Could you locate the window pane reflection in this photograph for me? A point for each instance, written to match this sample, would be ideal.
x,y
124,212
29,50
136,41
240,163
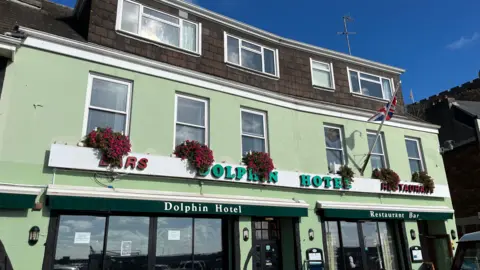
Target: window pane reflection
x,y
351,245
127,243
333,245
372,244
181,243
174,243
387,240
80,242
365,243
208,244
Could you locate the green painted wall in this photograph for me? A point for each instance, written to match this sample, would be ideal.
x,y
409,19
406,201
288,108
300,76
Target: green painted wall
x,y
296,139
412,225
296,142
245,246
14,228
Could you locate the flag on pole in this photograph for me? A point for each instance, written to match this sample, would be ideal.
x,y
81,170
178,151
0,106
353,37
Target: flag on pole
x,y
383,111
381,116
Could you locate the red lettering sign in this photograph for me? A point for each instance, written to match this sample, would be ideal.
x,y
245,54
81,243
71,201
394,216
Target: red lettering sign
x,y
410,188
130,163
142,164
384,186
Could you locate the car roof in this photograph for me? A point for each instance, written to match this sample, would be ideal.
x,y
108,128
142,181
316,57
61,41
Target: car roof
x,y
475,236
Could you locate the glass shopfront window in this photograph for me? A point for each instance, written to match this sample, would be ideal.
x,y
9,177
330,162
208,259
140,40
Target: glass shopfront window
x,y
361,245
80,242
139,243
127,243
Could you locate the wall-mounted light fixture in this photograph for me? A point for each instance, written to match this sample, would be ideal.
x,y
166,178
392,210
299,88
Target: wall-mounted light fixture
x,y
453,234
413,234
245,234
311,234
33,235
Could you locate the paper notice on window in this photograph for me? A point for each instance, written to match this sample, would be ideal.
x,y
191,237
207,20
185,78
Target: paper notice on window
x,y
126,248
316,256
173,235
82,238
417,255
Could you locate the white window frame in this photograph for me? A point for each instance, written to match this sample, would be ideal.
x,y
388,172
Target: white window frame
x,y
381,141
332,77
419,149
118,26
265,135
359,83
240,47
175,122
88,98
340,128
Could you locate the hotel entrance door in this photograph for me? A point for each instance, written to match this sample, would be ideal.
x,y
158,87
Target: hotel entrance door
x,y
266,244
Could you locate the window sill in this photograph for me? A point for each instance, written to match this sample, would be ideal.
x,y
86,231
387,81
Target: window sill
x,y
323,88
156,43
369,97
252,71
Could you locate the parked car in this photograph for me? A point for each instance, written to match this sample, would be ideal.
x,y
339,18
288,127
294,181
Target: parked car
x,y
467,256
65,267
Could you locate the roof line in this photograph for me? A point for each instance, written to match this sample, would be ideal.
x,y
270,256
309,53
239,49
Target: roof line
x,y
240,26
245,28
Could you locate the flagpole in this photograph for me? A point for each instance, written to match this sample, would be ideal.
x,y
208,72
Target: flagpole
x,y
379,129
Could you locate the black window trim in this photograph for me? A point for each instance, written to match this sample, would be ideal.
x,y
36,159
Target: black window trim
x,y
53,229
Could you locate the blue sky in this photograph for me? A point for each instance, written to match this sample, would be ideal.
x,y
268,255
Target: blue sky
x,y
437,42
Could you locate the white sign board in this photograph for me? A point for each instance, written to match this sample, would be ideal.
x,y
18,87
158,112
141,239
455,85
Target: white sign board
x,y
82,238
83,158
173,235
126,248
417,255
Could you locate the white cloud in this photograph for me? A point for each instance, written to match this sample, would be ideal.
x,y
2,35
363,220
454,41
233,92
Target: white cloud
x,y
79,225
463,41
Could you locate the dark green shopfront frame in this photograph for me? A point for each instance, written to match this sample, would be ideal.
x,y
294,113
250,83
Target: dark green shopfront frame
x,y
382,215
186,208
16,201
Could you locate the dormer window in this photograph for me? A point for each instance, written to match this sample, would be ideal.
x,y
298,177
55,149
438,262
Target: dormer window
x,y
251,55
370,85
139,20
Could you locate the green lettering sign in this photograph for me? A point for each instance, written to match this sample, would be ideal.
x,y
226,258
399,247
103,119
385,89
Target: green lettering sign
x,y
348,184
273,177
252,176
217,171
327,180
228,172
317,181
205,173
241,171
305,180
337,183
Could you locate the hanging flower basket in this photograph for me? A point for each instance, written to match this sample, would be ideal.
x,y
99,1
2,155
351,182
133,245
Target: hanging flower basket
x,y
387,176
425,179
347,175
260,163
198,155
113,145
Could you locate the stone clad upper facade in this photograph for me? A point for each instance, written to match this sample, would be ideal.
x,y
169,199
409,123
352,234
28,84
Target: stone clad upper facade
x,y
293,61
